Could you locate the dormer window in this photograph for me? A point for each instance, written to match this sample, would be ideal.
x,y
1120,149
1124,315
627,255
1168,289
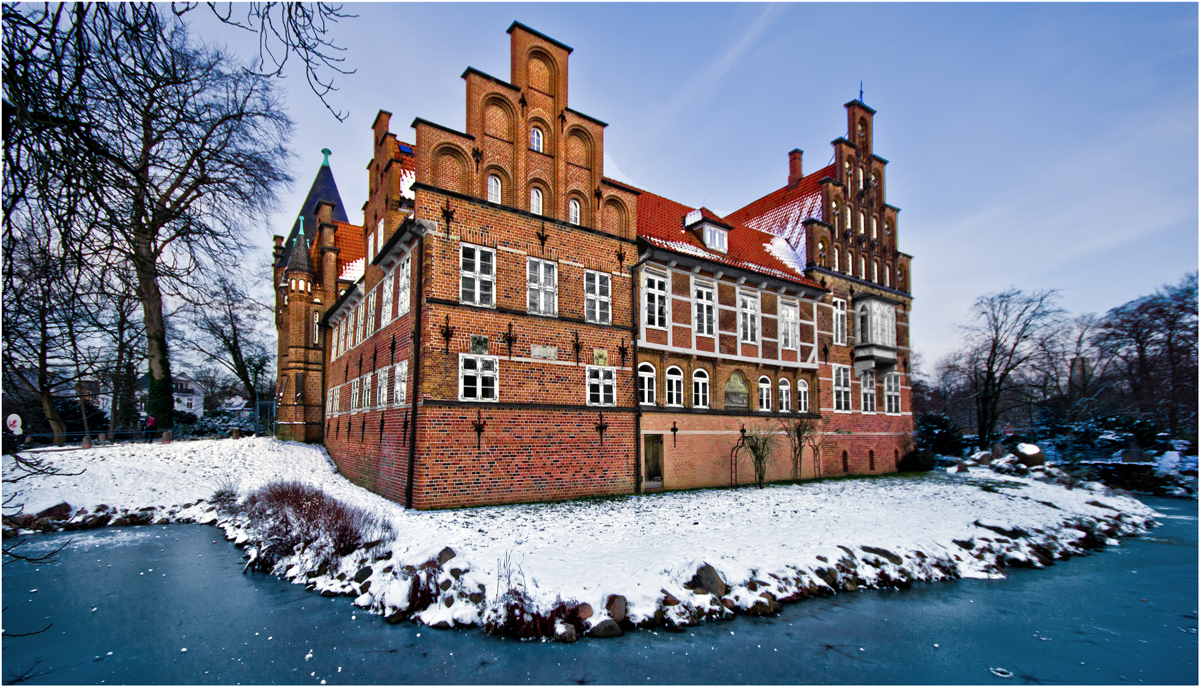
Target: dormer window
x,y
535,139
716,239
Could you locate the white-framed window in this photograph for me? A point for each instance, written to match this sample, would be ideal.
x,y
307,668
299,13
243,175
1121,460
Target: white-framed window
x,y
839,322
764,393
478,377
874,228
674,386
887,276
387,289
573,211
645,384
801,396
837,259
535,201
875,271
836,216
876,323
850,263
785,396
361,316
716,239
382,387
656,300
862,221
379,235
400,384
841,388
333,343
371,312
403,286
862,266
891,394
478,275
867,386
370,246
601,386
355,388
316,328
535,139
329,396
748,316
705,304
789,325
542,287
846,212
597,297
700,389
495,189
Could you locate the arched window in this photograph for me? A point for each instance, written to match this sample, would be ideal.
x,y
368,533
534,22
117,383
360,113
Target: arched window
x,y
834,212
646,384
874,228
820,253
900,277
764,393
845,462
573,211
847,219
785,396
699,389
875,271
860,179
862,219
864,325
535,200
801,396
846,169
737,392
674,386
862,267
871,459
850,263
836,259
887,276
494,189
535,139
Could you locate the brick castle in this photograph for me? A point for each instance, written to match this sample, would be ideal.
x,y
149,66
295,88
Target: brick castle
x,y
510,325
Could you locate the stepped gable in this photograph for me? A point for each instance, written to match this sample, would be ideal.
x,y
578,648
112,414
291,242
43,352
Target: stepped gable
x,y
782,212
348,239
660,223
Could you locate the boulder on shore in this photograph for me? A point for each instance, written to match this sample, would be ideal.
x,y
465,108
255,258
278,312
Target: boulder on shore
x,y
605,628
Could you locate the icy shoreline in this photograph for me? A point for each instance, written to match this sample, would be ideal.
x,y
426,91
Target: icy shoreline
x,y
603,566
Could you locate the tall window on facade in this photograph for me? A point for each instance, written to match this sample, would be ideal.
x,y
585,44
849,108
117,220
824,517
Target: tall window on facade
x,y
355,388
887,276
386,288
656,301
846,216
597,297
737,392
403,288
801,396
535,201
875,272
705,304
370,246
839,322
862,267
867,385
834,213
316,328
494,189
329,407
361,318
862,221
478,377
841,388
836,259
699,389
785,396
573,211
789,326
674,386
400,385
542,287
379,234
478,275
535,139
748,317
645,384
850,263
601,385
371,312
891,394
764,393
874,228
382,387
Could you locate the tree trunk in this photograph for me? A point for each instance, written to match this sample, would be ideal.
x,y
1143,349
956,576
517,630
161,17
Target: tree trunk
x,y
160,398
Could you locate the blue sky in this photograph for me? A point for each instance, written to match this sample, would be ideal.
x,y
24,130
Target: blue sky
x,y
1035,145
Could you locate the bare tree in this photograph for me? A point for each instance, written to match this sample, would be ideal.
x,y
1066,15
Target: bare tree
x,y
1001,338
801,432
758,444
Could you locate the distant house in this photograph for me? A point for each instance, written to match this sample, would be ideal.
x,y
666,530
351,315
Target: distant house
x,y
188,396
237,407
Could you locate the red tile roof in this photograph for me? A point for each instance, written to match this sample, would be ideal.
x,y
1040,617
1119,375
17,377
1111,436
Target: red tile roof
x,y
782,212
660,222
349,239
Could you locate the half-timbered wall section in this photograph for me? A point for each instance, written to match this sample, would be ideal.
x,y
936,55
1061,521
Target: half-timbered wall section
x,y
508,324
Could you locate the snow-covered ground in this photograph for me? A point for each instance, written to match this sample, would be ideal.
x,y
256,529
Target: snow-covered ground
x,y
782,542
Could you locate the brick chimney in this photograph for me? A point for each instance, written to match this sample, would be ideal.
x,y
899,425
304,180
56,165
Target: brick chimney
x,y
795,167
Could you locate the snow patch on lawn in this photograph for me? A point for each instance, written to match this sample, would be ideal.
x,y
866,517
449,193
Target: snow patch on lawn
x,y
781,543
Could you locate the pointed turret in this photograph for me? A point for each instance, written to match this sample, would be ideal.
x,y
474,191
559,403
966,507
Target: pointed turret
x,y
300,260
324,188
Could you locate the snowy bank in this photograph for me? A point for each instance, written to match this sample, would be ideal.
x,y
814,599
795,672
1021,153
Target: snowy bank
x,y
670,559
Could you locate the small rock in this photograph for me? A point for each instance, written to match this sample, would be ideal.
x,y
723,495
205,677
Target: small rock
x,y
476,597
59,512
363,573
448,600
445,585
584,611
605,628
445,555
565,633
364,587
962,467
727,603
456,573
668,599
706,578
616,607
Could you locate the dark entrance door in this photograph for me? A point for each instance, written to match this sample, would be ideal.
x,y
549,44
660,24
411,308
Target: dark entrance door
x,y
654,461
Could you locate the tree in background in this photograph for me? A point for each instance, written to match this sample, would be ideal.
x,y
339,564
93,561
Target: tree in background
x,y
801,432
758,446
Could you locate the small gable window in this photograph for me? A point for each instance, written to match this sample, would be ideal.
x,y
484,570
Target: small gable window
x,y
494,189
573,211
535,201
716,239
535,139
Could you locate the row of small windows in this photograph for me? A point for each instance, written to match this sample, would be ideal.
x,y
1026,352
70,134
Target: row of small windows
x,y
657,302
735,393
842,217
847,266
477,286
842,395
536,197
393,296
386,387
